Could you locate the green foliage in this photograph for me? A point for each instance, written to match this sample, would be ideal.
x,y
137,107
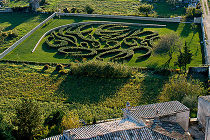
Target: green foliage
x,y
54,118
97,68
5,130
89,9
168,44
184,58
191,101
70,120
28,119
193,12
59,67
179,88
145,8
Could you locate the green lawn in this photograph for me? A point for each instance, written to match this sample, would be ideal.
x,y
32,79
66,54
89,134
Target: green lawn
x,y
22,22
23,52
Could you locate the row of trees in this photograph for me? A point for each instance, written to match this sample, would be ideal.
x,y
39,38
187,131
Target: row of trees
x,y
170,44
29,123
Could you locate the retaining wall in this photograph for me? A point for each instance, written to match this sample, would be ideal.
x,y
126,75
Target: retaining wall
x,y
204,43
176,19
24,37
6,10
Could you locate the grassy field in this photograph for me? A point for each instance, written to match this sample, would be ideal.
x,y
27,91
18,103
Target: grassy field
x,y
110,7
23,23
90,97
184,30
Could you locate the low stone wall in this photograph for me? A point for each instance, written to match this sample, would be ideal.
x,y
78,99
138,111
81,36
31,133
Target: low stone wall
x,y
6,10
24,37
204,43
203,69
176,19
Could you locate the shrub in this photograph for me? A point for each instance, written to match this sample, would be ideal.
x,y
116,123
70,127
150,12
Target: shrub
x,y
96,68
167,43
59,67
89,9
45,67
66,10
54,118
28,119
191,101
70,120
145,8
179,87
193,12
12,34
63,72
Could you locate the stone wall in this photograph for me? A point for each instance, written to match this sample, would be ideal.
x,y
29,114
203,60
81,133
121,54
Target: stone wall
x,y
6,10
204,43
207,132
203,111
176,19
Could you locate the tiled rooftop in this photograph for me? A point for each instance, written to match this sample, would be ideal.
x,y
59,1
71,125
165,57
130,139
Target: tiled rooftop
x,y
102,128
142,133
157,110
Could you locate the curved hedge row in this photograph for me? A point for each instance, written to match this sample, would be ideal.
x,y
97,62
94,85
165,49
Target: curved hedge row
x,y
86,40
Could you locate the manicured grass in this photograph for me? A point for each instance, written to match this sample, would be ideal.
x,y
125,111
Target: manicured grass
x,y
90,97
22,22
43,54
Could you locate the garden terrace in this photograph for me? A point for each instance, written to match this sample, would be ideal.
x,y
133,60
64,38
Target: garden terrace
x,y
101,39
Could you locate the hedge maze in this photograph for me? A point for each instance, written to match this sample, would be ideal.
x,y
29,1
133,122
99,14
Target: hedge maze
x,y
113,42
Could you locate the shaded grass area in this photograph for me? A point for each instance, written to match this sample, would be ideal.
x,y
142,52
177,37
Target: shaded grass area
x,y
90,97
45,54
23,23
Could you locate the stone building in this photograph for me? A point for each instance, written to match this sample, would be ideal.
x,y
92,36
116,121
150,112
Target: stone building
x,y
203,114
172,111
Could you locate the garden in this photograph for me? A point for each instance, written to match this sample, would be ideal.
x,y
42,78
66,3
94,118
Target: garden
x,y
132,45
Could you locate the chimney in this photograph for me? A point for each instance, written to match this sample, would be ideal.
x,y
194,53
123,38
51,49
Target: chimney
x,y
127,110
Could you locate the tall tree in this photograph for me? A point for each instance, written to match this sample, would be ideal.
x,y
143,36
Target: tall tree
x,y
28,119
184,58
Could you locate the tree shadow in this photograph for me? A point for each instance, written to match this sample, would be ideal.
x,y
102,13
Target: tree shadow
x,y
151,87
186,30
79,89
19,18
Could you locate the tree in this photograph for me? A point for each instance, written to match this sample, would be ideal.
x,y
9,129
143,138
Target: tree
x,y
70,120
89,9
28,119
5,130
145,8
179,87
184,58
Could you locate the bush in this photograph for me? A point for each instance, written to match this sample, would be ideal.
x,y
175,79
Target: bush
x,y
69,121
179,87
54,118
97,68
59,67
89,9
66,10
45,67
145,8
191,101
28,119
193,12
169,42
